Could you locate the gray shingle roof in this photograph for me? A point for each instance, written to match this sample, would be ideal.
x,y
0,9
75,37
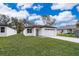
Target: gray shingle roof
x,y
39,26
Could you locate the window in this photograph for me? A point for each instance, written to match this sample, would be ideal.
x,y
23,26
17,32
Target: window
x,y
29,30
2,29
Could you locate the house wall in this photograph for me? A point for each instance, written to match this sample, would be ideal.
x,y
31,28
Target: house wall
x,y
5,33
8,32
41,32
11,31
65,31
30,34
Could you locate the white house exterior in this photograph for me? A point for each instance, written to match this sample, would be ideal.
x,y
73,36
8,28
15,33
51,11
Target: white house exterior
x,y
6,31
46,31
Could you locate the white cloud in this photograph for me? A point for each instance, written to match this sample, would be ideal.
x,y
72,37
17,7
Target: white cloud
x,y
34,16
28,5
12,12
39,22
65,18
24,5
38,7
22,14
63,6
77,8
73,22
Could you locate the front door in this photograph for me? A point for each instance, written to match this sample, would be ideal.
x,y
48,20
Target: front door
x,y
37,32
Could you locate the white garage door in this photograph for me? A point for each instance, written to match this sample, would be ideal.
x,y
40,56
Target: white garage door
x,y
49,32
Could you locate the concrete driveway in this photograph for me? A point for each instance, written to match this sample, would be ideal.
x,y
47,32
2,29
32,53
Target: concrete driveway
x,y
76,40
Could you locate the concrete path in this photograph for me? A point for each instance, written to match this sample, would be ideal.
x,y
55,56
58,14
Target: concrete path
x,y
67,38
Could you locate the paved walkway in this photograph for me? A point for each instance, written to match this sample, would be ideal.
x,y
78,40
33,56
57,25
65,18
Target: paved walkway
x,y
67,38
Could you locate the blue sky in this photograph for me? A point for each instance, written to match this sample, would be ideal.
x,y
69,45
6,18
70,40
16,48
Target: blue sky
x,y
46,10
64,13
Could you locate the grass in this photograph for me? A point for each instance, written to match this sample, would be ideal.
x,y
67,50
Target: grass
x,y
67,35
19,45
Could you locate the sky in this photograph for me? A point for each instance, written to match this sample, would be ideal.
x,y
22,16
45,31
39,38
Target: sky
x,y
64,13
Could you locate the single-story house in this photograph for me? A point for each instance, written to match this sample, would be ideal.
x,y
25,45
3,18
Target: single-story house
x,y
5,30
46,31
66,29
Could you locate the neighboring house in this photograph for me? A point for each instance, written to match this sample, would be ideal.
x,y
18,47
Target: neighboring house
x,y
46,31
66,29
77,32
5,30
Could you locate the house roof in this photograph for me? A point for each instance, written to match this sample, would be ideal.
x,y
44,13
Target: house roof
x,y
7,26
3,25
39,26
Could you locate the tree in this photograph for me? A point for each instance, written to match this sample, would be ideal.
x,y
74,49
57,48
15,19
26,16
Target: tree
x,y
48,20
77,25
4,19
13,23
30,22
44,18
20,27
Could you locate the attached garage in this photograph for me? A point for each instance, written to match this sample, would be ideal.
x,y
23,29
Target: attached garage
x,y
48,32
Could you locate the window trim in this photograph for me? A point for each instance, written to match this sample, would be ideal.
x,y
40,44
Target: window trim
x,y
2,29
29,30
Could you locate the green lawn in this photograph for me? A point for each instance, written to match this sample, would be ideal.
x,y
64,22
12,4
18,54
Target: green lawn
x,y
41,46
67,35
